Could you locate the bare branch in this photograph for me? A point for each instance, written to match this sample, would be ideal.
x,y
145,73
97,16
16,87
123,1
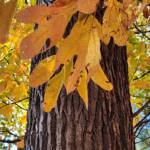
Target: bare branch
x,y
141,109
139,30
142,121
14,103
8,131
10,141
143,75
143,140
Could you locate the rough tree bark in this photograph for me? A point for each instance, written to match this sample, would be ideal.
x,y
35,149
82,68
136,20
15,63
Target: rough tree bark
x,y
107,125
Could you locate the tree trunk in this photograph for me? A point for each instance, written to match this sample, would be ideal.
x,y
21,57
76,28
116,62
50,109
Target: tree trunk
x,y
106,125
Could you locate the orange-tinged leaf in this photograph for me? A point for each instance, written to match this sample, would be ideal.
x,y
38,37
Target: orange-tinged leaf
x,y
50,26
114,24
82,87
42,72
6,14
19,91
52,91
3,85
11,84
87,50
40,17
87,7
28,47
121,37
99,77
20,144
110,19
6,110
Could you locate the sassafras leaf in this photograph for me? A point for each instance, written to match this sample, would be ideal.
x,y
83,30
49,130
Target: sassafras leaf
x,y
51,25
42,72
99,77
52,91
82,87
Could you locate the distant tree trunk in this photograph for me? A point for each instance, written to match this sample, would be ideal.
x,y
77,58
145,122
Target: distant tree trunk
x,y
107,125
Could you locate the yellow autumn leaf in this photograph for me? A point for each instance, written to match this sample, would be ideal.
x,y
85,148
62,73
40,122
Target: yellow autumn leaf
x,y
80,63
140,84
68,47
137,102
23,119
99,77
11,84
19,91
52,91
68,69
82,87
87,50
42,72
93,55
114,25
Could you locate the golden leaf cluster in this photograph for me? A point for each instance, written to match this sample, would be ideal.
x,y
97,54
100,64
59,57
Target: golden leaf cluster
x,y
83,43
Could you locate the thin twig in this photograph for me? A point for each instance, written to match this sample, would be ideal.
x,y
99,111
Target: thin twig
x,y
143,75
142,121
141,109
143,140
139,30
6,104
10,141
8,131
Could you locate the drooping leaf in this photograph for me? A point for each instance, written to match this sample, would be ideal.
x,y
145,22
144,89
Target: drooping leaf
x,y
52,91
87,50
42,72
68,69
99,77
118,17
93,55
79,66
67,47
82,87
51,25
